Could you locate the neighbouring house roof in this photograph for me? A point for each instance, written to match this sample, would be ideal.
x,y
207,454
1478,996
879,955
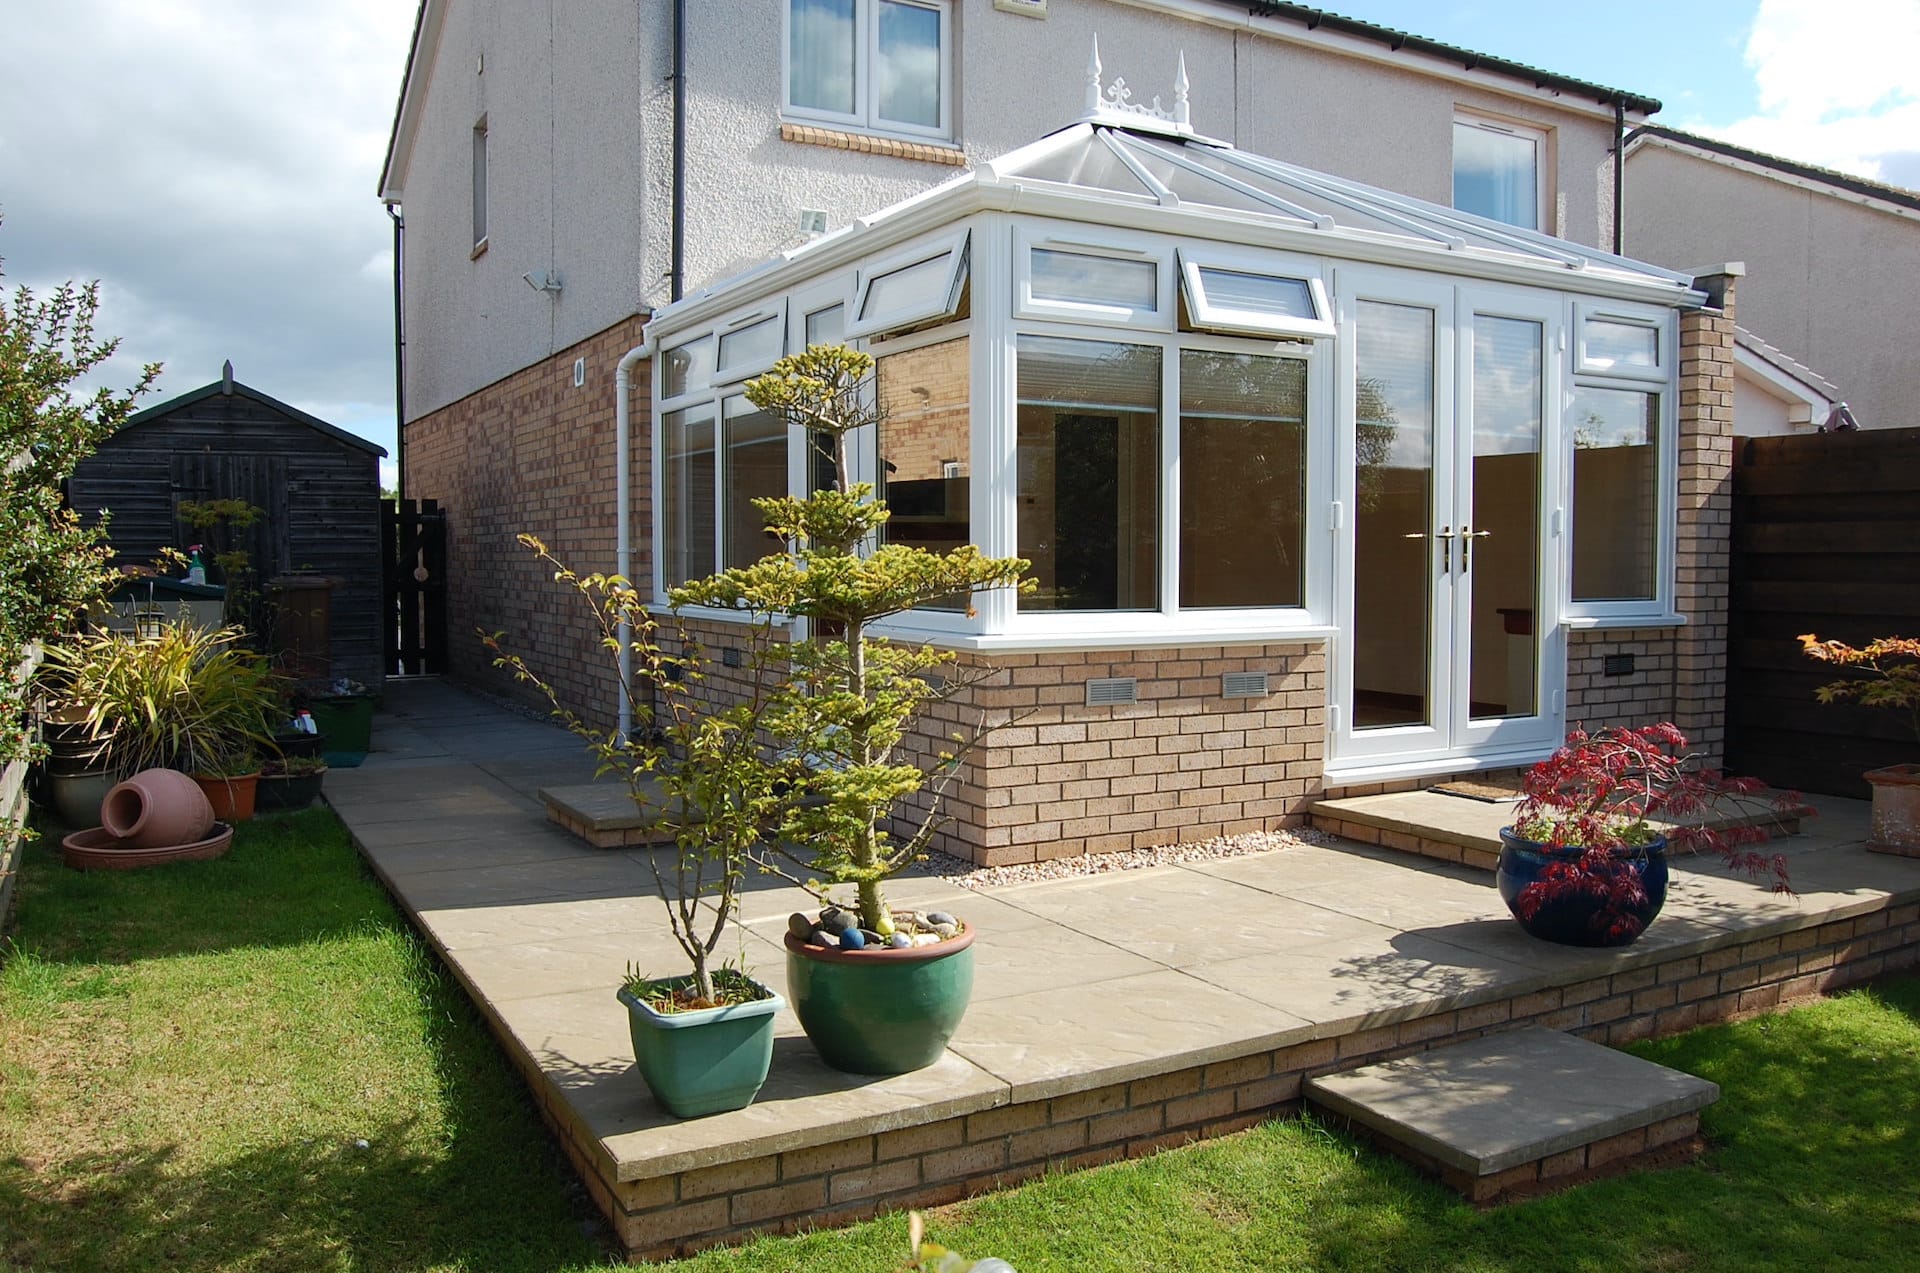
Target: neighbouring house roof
x,y
1145,175
1875,192
431,16
234,387
1784,365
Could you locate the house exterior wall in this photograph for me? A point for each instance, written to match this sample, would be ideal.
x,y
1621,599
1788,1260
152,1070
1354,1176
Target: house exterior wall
x,y
534,454
563,92
1817,269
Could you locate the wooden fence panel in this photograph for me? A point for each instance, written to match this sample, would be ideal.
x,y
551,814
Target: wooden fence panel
x,y
1826,539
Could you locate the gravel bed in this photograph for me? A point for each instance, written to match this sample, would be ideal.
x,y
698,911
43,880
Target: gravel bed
x,y
967,875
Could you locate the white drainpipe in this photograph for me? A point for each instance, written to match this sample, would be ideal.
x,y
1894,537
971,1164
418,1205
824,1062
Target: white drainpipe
x,y
623,510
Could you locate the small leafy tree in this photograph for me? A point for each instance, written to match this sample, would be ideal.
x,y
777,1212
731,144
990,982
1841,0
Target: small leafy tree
x,y
1884,673
698,768
52,568
845,707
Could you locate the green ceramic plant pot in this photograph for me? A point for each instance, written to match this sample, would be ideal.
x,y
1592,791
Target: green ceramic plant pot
x,y
707,1061
880,1011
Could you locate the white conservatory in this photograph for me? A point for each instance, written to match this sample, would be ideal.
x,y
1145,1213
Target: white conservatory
x,y
1402,471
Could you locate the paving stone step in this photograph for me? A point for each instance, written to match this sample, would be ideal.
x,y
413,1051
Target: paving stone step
x,y
1508,1113
605,815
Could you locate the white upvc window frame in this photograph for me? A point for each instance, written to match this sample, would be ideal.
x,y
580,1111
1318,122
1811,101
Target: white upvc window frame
x,y
772,312
1206,316
865,117
1660,610
1542,139
1091,241
1583,364
953,244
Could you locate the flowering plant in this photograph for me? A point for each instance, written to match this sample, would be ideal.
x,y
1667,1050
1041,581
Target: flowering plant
x,y
1605,798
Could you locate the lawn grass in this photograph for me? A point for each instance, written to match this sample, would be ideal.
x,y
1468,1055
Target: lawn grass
x,y
191,1057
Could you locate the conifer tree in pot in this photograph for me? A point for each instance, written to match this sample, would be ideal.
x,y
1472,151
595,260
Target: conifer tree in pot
x,y
696,769
878,991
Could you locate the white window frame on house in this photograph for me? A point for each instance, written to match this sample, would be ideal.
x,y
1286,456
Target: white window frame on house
x,y
1095,243
772,316
1205,314
1542,170
1658,610
950,247
1584,363
866,117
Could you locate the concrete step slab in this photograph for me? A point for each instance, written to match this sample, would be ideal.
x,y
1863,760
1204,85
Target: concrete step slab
x,y
1496,1114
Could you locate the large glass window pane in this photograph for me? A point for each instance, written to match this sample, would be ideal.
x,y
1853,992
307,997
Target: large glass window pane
x,y
756,469
1088,437
1395,556
1496,174
686,494
1243,462
1502,551
925,466
907,76
1081,278
1616,493
821,55
1621,346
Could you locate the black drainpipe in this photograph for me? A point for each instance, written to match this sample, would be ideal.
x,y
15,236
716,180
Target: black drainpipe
x,y
1619,173
679,263
399,358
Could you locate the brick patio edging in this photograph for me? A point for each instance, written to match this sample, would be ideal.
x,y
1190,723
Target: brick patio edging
x,y
944,1160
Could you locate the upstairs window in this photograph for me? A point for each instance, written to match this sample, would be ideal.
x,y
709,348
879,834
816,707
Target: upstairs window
x,y
1497,170
883,66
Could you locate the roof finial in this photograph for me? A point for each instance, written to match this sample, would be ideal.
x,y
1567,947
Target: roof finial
x,y
226,378
1182,112
1093,78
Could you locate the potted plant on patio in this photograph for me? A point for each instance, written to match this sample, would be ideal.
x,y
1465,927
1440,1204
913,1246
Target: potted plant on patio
x,y
877,991
1585,861
289,782
1884,673
703,1039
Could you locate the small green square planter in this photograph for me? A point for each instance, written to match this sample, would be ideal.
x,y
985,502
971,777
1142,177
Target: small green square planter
x,y
707,1061
346,720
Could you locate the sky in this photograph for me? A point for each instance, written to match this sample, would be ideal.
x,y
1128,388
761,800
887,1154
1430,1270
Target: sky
x,y
214,162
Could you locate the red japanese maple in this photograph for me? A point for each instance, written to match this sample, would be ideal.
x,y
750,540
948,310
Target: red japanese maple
x,y
1605,797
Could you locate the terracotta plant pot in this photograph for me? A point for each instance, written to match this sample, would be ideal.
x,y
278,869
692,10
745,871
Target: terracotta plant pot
x,y
156,808
96,850
1896,810
231,798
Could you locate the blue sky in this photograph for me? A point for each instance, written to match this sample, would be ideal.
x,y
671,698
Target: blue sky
x,y
216,171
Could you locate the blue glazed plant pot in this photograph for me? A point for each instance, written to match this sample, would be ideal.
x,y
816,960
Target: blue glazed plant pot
x,y
881,1011
706,1061
1596,916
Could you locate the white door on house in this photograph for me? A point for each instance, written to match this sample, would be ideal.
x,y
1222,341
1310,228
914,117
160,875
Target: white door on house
x,y
1448,656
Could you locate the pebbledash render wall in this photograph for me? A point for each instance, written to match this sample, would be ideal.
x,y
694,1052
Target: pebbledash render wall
x,y
533,454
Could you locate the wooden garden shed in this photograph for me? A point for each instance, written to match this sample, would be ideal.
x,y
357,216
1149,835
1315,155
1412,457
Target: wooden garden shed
x,y
318,535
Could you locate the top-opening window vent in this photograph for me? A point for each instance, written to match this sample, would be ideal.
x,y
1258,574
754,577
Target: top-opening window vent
x,y
1243,685
1106,691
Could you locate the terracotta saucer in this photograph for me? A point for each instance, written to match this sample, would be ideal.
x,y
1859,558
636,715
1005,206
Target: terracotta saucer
x,y
96,849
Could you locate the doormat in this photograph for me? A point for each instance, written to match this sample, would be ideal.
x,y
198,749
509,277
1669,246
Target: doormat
x,y
1487,790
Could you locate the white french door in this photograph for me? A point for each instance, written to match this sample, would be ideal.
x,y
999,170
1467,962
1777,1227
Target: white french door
x,y
1449,655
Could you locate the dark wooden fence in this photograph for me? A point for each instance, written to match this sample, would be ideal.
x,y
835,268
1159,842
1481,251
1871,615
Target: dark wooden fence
x,y
414,540
1826,539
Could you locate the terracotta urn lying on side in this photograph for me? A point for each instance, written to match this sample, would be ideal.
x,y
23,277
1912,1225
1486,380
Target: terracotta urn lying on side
x,y
157,808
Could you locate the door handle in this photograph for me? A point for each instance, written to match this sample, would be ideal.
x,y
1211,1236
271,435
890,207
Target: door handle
x,y
1446,549
1466,545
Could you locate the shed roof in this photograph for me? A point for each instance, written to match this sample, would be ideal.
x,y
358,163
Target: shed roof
x,y
235,388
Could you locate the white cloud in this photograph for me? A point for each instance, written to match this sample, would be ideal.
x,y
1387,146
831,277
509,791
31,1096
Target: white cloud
x,y
1837,85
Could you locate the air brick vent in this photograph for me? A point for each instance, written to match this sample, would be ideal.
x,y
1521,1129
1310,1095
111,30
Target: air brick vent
x,y
1106,691
1243,685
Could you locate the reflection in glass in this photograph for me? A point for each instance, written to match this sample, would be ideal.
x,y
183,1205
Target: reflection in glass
x,y
1262,294
1496,174
908,72
751,348
1616,493
1094,280
925,440
686,494
1395,556
1621,345
756,469
1502,554
1088,436
921,290
1243,452
687,367
821,55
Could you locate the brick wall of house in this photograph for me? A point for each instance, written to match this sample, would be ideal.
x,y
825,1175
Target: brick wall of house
x,y
533,453
1705,521
1640,697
